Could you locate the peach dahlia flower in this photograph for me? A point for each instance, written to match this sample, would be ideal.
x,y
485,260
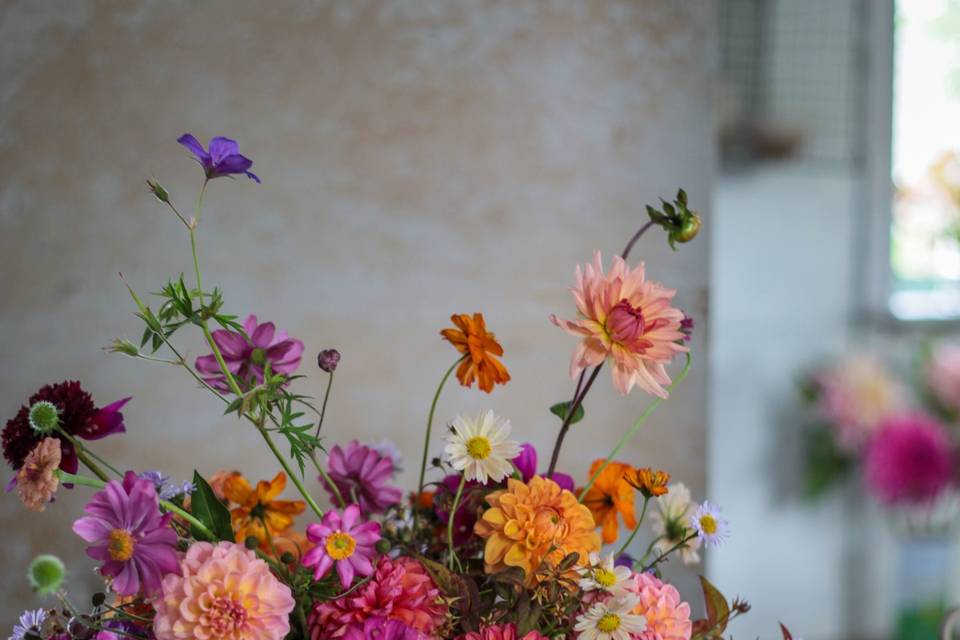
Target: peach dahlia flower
x,y
624,317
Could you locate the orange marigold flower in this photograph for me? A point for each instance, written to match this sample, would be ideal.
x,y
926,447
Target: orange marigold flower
x,y
258,511
472,339
650,483
611,494
532,524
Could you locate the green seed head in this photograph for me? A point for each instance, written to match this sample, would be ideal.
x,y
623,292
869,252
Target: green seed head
x,y
46,574
44,417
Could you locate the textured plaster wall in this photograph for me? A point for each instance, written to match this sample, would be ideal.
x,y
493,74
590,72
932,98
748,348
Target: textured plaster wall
x,y
418,159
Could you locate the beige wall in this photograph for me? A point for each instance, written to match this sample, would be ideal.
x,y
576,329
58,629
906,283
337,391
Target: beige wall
x,y
418,159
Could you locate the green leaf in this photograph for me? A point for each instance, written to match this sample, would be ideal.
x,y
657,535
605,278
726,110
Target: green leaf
x,y
718,611
207,508
560,410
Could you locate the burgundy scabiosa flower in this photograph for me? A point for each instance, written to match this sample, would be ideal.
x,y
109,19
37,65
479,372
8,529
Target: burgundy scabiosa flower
x,y
129,535
345,541
75,413
247,355
361,473
908,460
223,158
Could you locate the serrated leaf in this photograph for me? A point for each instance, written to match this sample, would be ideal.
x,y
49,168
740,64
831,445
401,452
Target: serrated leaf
x,y
207,508
560,410
718,610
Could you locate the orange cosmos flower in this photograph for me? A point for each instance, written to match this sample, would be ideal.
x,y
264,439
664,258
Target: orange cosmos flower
x,y
650,483
530,524
611,494
627,318
258,508
472,339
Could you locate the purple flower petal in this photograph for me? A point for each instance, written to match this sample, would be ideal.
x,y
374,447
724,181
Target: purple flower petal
x,y
194,146
221,148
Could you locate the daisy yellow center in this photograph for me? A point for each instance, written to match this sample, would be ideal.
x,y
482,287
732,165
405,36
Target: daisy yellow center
x,y
120,544
226,616
604,577
709,524
479,448
609,623
340,545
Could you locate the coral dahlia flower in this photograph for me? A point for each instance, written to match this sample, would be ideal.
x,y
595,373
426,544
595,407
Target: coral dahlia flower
x,y
472,339
628,319
529,524
610,495
667,616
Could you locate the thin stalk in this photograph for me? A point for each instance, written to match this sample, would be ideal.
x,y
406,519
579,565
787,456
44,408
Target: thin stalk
x,y
433,408
453,512
329,481
663,556
632,431
650,546
286,467
568,419
79,446
643,512
323,407
199,526
90,464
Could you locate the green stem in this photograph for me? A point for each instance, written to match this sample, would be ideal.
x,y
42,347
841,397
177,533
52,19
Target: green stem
x,y
323,407
199,526
79,446
453,512
633,535
433,408
650,546
293,476
83,481
663,556
329,481
632,431
90,464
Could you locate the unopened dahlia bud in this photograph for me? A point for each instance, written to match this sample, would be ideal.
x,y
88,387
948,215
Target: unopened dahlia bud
x,y
676,218
328,360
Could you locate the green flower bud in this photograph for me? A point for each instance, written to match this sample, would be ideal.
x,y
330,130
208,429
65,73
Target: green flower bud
x,y
287,558
688,229
46,574
383,546
252,542
123,346
158,191
44,416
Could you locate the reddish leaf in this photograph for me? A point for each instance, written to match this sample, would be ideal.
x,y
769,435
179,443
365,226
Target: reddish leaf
x,y
786,632
718,610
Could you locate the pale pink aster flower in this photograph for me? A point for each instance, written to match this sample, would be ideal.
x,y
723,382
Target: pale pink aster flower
x,y
627,318
224,591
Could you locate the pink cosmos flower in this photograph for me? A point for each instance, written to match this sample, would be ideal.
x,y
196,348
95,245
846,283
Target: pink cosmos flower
x,y
943,375
361,474
129,535
224,591
246,355
908,460
345,542
401,589
668,617
628,319
501,632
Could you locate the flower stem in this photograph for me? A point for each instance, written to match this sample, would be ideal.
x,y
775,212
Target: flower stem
x,y
199,526
286,467
643,512
632,431
79,446
83,481
329,481
90,464
568,419
433,408
663,556
453,512
323,407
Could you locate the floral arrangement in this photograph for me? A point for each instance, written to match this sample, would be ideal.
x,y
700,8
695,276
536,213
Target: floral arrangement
x,y
487,546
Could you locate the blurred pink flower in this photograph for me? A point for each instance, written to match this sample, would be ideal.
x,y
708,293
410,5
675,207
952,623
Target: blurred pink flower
x,y
361,474
501,632
909,460
943,375
628,319
668,617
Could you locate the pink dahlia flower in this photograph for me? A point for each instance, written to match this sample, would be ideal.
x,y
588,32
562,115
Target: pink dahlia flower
x,y
943,375
361,474
224,591
345,542
668,617
246,355
129,535
628,319
401,589
382,629
908,460
501,632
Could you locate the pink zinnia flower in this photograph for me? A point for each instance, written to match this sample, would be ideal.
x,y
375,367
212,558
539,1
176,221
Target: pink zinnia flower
x,y
401,589
628,319
668,617
246,355
501,632
345,542
361,474
943,375
908,460
129,535
224,591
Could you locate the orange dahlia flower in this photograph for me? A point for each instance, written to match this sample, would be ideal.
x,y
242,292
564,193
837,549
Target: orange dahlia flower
x,y
258,511
650,483
530,524
610,495
628,319
472,339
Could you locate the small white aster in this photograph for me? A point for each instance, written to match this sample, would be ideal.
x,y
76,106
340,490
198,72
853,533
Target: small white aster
x,y
603,575
480,448
611,620
708,524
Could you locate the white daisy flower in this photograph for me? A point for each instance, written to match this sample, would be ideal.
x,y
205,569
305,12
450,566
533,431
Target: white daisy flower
x,y
670,524
708,524
480,449
611,620
603,575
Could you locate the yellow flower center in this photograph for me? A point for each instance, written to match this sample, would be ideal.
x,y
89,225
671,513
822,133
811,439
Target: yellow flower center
x,y
604,577
478,448
120,545
709,524
609,623
340,545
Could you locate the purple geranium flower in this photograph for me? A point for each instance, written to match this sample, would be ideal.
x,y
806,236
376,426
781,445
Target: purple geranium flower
x,y
246,355
360,474
223,159
344,541
129,535
526,464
